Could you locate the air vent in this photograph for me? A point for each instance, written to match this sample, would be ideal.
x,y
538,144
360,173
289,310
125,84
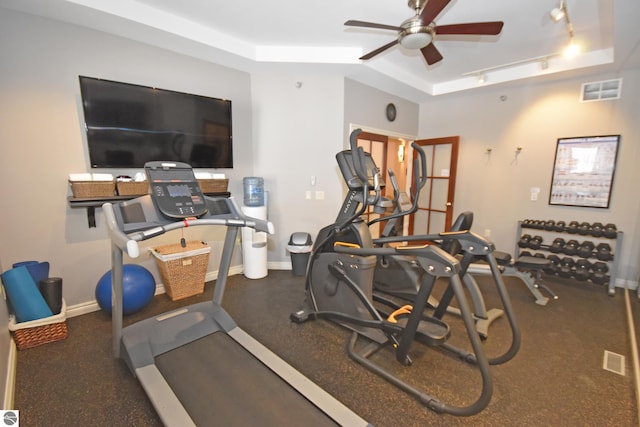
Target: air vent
x,y
601,91
613,362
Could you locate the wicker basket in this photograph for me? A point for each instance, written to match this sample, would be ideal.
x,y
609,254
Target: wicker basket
x,y
213,185
132,188
92,189
183,270
41,331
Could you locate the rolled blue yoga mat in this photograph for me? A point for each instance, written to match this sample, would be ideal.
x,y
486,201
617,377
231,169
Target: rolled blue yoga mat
x,y
26,300
23,263
38,271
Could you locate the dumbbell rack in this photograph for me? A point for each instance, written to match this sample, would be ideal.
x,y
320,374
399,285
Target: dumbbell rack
x,y
548,236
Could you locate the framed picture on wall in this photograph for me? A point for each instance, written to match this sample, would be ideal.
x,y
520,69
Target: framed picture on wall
x,y
583,171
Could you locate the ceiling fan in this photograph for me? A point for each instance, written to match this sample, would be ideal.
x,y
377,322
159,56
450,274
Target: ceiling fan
x,y
419,31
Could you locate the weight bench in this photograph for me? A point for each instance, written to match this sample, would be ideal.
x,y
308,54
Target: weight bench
x,y
526,268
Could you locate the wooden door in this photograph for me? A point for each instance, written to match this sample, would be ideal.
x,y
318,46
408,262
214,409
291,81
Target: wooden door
x,y
436,202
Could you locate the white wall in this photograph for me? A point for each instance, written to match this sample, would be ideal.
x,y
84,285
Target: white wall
x,y
41,138
534,115
297,132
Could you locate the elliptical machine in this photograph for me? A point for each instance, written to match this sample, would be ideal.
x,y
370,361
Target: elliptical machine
x,y
339,287
400,277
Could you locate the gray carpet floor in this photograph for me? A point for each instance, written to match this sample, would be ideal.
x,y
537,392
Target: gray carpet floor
x,y
556,379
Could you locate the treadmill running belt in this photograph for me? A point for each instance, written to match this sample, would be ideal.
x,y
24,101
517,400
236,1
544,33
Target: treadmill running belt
x,y
220,383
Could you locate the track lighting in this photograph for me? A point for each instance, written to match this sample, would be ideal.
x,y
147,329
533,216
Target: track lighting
x,y
558,13
571,50
544,63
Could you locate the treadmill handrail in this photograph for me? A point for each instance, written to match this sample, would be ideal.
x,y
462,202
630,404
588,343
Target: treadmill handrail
x,y
129,242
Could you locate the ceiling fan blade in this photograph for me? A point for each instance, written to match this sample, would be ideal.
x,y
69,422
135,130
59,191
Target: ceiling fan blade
x,y
475,28
432,9
431,54
378,50
352,23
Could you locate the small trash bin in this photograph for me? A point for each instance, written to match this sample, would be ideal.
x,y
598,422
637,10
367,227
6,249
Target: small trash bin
x,y
299,247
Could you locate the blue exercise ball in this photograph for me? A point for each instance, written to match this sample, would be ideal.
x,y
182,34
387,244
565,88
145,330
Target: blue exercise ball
x,y
138,288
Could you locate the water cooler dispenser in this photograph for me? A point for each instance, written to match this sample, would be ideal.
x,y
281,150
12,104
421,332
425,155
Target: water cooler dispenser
x,y
254,244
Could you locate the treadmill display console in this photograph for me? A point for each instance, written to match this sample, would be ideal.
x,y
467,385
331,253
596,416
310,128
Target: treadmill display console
x,y
175,190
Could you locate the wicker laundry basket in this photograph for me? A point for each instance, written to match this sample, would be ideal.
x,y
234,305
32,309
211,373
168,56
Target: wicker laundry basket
x,y
41,331
183,270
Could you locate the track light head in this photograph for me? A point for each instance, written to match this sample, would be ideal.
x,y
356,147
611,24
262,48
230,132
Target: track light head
x,y
557,13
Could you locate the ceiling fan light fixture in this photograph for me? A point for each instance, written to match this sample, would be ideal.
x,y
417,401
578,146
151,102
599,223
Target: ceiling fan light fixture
x,y
416,40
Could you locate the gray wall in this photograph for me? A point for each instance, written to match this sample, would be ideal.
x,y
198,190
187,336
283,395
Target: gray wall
x,y
366,106
42,139
282,132
534,115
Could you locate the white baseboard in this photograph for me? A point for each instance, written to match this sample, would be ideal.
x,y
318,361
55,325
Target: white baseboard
x,y
627,284
279,265
91,306
10,385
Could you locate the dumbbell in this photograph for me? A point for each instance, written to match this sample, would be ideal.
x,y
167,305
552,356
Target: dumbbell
x,y
552,268
585,250
597,229
599,272
535,242
566,267
525,253
539,255
571,248
538,224
584,228
572,228
610,231
524,241
603,252
549,225
560,226
582,270
526,223
557,245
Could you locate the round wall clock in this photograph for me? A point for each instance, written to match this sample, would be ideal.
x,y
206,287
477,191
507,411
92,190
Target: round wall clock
x,y
391,112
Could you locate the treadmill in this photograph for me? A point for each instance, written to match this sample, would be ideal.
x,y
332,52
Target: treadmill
x,y
197,366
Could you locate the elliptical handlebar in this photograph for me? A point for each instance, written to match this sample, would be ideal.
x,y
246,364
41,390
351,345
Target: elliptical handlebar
x,y
420,180
358,157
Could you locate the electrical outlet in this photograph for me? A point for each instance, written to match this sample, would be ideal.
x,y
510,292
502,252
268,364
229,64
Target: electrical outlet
x,y
308,195
319,195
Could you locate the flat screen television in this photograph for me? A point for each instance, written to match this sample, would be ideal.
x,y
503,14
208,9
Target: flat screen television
x,y
128,125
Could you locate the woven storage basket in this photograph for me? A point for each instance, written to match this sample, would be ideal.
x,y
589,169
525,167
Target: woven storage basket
x,y
213,185
92,189
132,188
183,270
42,331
